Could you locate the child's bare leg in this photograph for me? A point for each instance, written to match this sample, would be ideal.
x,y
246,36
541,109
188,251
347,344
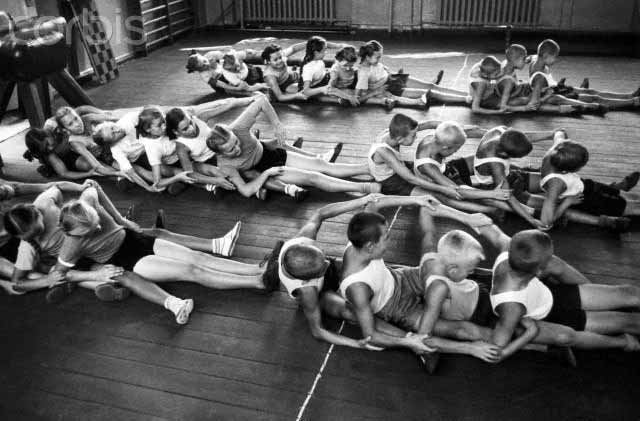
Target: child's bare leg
x,y
554,334
607,94
633,203
613,322
612,103
336,306
189,241
597,297
295,160
461,330
6,268
324,182
143,288
448,98
423,85
467,205
175,251
327,99
164,269
427,227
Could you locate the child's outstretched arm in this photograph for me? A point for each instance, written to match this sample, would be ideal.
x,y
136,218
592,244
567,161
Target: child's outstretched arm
x,y
400,169
211,109
549,212
500,179
308,298
312,226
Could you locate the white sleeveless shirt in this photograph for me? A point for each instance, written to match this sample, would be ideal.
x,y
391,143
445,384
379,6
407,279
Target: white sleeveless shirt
x,y
381,171
535,297
379,279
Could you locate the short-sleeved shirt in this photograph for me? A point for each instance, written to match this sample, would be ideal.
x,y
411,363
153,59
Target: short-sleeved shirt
x,y
281,75
129,148
198,149
50,242
160,150
314,72
371,77
99,246
344,78
251,147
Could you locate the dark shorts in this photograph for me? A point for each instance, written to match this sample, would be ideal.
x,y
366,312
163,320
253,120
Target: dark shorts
x,y
323,82
492,101
408,298
331,277
518,181
9,250
134,247
600,199
567,307
271,158
397,185
293,77
254,75
143,162
396,83
457,170
211,161
483,315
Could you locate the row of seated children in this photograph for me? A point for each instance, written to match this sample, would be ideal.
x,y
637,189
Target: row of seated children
x,y
487,182
494,86
168,147
356,76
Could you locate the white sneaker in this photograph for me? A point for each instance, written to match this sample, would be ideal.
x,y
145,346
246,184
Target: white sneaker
x,y
182,315
230,239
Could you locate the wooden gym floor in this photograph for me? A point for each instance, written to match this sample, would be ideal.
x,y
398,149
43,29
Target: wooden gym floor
x,y
246,355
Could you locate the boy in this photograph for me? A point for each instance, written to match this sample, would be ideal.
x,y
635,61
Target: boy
x,y
398,295
572,312
545,88
282,80
239,151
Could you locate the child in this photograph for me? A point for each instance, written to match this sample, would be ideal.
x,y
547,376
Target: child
x,y
211,70
387,167
491,163
314,78
582,200
572,312
495,89
447,139
281,79
395,295
541,79
375,80
238,150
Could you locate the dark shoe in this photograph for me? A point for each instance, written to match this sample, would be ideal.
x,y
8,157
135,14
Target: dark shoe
x,y
160,220
438,78
270,277
59,292
262,194
562,82
601,110
123,185
111,292
176,188
585,83
429,362
614,224
628,182
131,213
301,195
298,143
636,92
336,152
256,133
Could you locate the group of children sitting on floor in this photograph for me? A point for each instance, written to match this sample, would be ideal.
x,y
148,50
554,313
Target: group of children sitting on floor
x,y
358,77
444,304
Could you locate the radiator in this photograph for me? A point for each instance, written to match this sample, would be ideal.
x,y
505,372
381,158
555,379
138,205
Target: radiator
x,y
289,11
523,13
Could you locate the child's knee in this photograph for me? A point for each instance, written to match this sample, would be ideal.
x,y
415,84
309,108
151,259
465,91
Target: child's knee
x,y
566,337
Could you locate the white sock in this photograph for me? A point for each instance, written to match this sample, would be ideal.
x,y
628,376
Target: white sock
x,y
173,304
291,189
224,245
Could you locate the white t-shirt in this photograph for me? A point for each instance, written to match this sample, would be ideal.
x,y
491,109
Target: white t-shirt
x,y
160,150
314,72
129,148
197,146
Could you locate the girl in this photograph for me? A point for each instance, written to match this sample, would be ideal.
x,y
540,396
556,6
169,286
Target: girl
x,y
374,80
234,77
314,76
59,156
96,231
281,79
